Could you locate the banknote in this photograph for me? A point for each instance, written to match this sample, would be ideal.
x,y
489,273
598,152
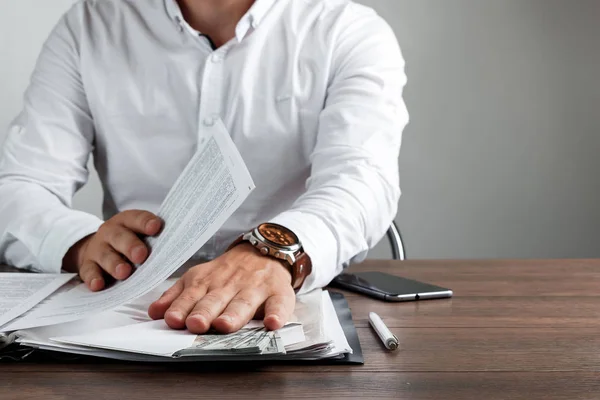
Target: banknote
x,y
259,340
255,340
275,346
245,341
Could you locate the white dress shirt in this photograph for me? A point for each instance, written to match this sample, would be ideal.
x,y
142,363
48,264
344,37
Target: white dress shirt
x,y
309,90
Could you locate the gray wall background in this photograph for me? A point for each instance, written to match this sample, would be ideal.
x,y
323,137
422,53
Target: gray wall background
x,y
501,156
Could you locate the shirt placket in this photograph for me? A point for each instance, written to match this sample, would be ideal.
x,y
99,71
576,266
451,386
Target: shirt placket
x,y
209,111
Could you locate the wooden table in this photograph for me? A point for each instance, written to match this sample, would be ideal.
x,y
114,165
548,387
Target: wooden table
x,y
514,330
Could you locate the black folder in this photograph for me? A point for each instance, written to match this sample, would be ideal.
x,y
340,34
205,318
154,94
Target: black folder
x,y
15,352
345,316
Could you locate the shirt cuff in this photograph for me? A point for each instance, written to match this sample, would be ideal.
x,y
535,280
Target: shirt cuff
x,y
318,242
65,232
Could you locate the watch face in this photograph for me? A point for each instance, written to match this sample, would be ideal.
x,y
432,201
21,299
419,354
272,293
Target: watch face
x,y
278,235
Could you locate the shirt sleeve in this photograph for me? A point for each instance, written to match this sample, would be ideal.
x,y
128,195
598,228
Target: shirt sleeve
x,y
43,161
352,194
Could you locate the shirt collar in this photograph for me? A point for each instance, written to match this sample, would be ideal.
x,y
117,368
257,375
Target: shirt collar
x,y
249,21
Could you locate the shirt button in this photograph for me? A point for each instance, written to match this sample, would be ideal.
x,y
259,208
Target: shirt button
x,y
216,58
210,121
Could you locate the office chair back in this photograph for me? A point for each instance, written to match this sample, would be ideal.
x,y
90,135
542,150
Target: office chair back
x,y
396,242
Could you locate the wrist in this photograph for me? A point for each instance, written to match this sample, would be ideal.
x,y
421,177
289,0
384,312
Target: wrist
x,y
281,244
74,257
254,256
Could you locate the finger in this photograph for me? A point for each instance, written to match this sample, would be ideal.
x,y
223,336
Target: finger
x,y
184,303
240,310
112,262
208,308
91,274
278,310
128,243
139,221
158,309
260,313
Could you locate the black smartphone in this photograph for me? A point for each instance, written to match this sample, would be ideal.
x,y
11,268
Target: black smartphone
x,y
389,287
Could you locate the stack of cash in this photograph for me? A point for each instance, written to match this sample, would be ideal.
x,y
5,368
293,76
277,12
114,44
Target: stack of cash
x,y
314,316
244,342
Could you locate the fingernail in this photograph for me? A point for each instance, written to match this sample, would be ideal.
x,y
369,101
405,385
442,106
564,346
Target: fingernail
x,y
175,315
122,270
152,225
274,318
95,283
226,318
139,252
197,317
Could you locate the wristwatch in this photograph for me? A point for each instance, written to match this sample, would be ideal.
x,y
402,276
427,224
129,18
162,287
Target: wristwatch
x,y
281,243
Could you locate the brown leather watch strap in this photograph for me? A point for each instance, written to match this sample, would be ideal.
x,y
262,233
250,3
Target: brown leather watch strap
x,y
237,241
300,270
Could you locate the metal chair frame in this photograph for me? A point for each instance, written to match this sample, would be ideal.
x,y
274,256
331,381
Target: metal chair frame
x,y
396,242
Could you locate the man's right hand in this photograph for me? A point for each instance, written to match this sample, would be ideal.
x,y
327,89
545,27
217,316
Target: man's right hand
x,y
113,249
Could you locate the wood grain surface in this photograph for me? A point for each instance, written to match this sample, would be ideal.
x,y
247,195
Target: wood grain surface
x,y
515,329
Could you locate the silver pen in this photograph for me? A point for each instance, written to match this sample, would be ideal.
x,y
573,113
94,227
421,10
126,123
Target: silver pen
x,y
387,337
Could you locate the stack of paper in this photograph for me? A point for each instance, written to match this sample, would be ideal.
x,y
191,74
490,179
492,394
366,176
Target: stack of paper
x,y
113,323
127,333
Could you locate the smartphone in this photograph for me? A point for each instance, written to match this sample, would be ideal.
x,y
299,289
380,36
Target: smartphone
x,y
389,287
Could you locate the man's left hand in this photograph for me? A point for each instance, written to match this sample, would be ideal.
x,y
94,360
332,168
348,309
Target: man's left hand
x,y
227,293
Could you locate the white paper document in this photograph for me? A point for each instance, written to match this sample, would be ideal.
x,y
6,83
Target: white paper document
x,y
131,313
19,292
120,334
153,338
333,329
212,186
156,338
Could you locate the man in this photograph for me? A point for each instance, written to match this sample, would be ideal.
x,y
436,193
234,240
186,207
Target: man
x,y
310,92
